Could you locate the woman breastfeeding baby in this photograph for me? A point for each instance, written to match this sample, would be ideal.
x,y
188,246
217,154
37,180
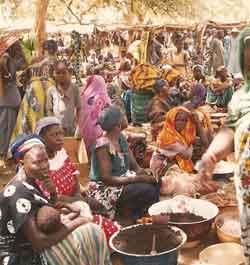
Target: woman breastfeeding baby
x,y
62,186
32,230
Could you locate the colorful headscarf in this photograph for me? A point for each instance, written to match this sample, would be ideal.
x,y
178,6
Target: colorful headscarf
x,y
169,135
94,98
23,144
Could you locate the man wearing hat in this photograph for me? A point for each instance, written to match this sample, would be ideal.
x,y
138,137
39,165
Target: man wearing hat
x,y
11,60
233,65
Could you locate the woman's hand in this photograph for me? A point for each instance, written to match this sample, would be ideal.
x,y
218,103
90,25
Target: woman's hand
x,y
206,166
195,117
68,207
187,153
72,220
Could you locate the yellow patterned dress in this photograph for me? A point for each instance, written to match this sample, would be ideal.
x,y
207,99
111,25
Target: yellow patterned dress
x,y
33,106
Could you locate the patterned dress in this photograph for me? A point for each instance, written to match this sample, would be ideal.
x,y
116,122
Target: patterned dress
x,y
108,195
239,120
21,200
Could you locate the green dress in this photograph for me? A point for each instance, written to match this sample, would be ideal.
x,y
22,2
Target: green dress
x,y
108,195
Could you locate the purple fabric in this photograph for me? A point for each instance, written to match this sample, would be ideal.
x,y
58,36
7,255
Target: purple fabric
x,y
199,95
94,98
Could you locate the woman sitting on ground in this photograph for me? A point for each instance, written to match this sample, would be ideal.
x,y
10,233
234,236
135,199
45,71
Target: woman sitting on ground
x,y
117,181
159,106
221,90
77,241
61,186
175,141
64,175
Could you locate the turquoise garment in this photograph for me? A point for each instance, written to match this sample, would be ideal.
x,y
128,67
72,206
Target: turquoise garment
x,y
220,100
120,165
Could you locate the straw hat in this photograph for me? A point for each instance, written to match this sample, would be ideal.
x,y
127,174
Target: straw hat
x,y
7,41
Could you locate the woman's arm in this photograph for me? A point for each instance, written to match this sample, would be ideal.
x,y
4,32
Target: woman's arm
x,y
133,165
41,241
105,166
221,146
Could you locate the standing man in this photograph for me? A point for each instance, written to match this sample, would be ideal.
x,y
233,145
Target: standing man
x,y
11,60
233,65
217,51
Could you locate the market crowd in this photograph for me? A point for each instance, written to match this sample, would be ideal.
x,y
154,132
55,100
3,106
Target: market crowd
x,y
104,88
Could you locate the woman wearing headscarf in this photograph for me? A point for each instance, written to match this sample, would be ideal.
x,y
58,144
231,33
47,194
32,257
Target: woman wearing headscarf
x,y
175,141
235,136
117,181
160,104
77,241
94,98
64,175
11,60
221,89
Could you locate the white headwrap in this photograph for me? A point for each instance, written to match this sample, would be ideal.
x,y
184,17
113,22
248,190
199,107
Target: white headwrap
x,y
47,121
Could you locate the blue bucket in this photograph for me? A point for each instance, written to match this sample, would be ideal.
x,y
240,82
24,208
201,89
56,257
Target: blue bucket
x,y
169,257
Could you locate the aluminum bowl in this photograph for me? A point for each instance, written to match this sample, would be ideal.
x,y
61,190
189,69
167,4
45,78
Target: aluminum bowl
x,y
195,230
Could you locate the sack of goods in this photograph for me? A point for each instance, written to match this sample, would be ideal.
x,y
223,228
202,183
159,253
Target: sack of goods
x,y
143,76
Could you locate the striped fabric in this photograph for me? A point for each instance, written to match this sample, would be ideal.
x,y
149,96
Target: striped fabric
x,y
84,246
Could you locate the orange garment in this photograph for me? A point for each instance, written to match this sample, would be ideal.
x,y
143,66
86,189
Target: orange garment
x,y
203,117
169,136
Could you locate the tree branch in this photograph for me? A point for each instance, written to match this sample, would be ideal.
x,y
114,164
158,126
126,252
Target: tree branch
x,y
83,13
71,11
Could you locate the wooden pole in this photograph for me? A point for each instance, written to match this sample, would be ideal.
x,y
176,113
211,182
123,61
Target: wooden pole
x,y
40,24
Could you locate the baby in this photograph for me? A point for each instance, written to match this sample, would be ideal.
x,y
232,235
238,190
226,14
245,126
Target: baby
x,y
48,219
